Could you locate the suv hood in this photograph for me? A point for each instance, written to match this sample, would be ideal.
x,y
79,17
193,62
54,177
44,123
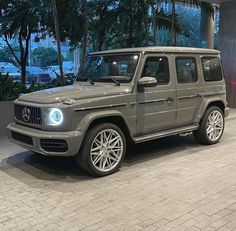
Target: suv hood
x,y
75,92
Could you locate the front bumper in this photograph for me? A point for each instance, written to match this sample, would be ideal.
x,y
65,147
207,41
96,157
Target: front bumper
x,y
73,139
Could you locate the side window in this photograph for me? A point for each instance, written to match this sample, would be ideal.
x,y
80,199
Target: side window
x,y
186,70
212,69
158,68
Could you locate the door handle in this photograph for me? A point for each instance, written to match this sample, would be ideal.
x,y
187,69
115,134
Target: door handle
x,y
169,99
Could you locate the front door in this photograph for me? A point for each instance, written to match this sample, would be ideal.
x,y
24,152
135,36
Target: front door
x,y
156,106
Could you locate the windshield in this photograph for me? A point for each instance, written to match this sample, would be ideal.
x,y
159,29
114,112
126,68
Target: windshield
x,y
9,69
33,69
104,68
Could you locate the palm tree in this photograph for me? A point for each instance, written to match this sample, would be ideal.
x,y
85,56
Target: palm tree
x,y
208,7
19,19
135,21
85,32
57,30
155,7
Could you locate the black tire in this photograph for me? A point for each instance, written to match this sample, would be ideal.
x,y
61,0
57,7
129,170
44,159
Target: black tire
x,y
201,134
84,159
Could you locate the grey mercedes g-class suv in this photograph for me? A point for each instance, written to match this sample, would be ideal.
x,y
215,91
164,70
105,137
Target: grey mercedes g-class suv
x,y
123,95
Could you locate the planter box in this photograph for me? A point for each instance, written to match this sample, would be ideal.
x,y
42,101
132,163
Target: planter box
x,y
6,115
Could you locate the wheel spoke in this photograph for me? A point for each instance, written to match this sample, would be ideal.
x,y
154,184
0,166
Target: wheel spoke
x,y
209,129
114,154
97,159
98,142
104,163
109,137
113,158
113,140
96,148
114,144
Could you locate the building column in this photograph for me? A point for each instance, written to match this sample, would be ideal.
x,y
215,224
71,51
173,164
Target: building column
x,y
207,29
227,46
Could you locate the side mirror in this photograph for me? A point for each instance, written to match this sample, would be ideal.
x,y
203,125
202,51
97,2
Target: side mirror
x,y
147,82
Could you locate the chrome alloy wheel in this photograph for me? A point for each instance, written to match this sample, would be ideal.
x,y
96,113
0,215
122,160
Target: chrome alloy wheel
x,y
214,126
106,150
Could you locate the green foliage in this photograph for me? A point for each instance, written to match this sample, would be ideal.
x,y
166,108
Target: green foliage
x,y
19,19
4,55
191,28
44,57
119,24
11,91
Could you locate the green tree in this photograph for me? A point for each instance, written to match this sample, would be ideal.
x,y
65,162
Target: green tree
x,y
5,55
207,6
19,19
116,24
44,57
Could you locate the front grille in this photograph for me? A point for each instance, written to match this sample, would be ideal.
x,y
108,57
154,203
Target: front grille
x,y
35,114
22,138
51,145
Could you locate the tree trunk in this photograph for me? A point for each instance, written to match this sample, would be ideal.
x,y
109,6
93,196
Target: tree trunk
x,y
154,21
173,34
23,55
57,29
146,23
23,73
130,41
24,52
131,32
11,49
85,34
146,31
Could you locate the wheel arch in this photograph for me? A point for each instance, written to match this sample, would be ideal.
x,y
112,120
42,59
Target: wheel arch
x,y
113,117
218,103
207,104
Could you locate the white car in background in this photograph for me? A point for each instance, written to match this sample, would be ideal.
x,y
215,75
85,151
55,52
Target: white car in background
x,y
37,74
10,69
53,71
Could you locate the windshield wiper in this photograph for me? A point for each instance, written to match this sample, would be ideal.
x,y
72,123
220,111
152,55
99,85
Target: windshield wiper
x,y
90,81
116,82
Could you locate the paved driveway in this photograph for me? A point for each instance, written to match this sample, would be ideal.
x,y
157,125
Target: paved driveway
x,y
169,184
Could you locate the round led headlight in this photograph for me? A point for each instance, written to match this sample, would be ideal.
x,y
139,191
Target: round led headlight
x,y
56,116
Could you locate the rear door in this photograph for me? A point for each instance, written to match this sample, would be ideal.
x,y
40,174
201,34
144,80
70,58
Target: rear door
x,y
188,88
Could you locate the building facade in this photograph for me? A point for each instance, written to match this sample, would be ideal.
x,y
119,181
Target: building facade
x,y
227,45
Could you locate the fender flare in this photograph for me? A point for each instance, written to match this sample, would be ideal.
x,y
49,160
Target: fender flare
x,y
88,119
204,105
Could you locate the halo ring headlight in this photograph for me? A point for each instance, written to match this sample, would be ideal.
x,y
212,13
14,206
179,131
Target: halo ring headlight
x,y
56,116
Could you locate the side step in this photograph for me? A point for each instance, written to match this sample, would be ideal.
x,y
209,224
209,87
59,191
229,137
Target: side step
x,y
176,131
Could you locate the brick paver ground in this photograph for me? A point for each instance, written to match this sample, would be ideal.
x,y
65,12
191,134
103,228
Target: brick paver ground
x,y
169,184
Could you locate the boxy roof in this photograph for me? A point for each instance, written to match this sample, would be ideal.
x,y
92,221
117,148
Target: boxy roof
x,y
160,49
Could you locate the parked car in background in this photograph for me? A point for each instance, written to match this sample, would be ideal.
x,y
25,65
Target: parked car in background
x,y
37,74
6,64
53,71
10,69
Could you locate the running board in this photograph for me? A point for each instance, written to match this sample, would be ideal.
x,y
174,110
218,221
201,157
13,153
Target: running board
x,y
171,132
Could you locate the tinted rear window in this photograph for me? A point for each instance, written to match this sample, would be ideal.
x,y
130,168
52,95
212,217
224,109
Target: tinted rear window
x,y
212,69
186,69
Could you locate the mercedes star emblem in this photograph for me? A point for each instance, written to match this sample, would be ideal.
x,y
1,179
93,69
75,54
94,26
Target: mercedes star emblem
x,y
26,114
